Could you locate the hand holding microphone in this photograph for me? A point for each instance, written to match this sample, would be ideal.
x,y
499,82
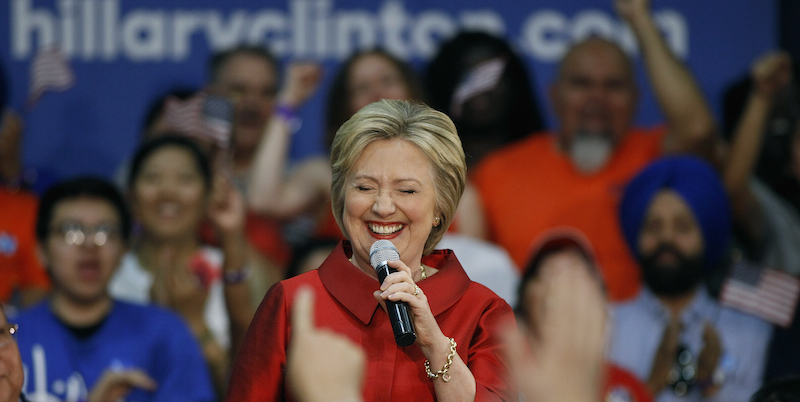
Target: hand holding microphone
x,y
403,298
381,252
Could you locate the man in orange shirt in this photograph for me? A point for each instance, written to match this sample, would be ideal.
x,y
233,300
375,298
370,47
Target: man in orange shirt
x,y
574,175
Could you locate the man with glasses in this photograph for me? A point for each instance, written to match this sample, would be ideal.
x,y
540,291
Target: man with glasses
x,y
80,344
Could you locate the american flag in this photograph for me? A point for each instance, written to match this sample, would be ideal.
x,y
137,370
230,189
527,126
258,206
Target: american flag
x,y
203,116
765,292
50,71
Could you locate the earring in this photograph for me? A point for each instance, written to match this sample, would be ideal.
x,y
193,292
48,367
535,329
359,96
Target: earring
x,y
436,221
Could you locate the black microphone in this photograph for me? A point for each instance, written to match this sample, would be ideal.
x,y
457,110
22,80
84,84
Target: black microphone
x,y
381,252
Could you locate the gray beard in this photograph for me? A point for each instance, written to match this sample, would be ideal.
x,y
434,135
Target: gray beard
x,y
591,152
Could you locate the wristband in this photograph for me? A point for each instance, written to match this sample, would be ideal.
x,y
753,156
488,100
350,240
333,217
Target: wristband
x,y
236,277
289,115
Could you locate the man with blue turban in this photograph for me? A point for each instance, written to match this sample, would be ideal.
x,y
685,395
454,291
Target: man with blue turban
x,y
676,219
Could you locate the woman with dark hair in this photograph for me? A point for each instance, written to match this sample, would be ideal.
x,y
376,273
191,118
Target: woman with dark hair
x,y
172,189
481,82
365,77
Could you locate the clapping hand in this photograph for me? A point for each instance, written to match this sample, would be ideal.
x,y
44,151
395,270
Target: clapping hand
x,y
177,287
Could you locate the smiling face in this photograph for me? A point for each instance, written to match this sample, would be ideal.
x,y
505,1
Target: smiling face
x,y
81,272
390,195
168,196
11,376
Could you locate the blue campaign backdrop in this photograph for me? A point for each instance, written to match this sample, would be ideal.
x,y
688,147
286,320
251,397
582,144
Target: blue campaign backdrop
x,y
126,52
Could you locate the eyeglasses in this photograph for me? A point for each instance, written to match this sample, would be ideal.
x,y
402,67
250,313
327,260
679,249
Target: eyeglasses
x,y
75,234
7,332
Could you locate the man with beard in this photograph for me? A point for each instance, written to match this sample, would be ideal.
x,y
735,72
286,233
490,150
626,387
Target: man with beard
x,y
676,219
573,177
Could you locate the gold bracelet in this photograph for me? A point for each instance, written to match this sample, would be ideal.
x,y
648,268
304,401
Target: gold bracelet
x,y
443,372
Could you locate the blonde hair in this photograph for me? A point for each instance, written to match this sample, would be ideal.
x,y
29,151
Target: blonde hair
x,y
430,130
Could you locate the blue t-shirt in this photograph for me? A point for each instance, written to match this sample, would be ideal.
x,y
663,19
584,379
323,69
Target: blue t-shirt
x,y
59,366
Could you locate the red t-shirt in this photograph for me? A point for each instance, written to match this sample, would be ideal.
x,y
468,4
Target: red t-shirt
x,y
530,186
19,266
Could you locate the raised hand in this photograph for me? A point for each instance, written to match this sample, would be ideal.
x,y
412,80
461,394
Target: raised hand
x,y
321,365
560,358
629,10
771,73
226,207
302,80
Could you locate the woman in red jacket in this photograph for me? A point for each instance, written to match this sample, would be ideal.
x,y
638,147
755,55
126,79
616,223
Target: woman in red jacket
x,y
398,174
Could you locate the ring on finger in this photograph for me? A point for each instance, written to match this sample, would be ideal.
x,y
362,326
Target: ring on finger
x,y
417,290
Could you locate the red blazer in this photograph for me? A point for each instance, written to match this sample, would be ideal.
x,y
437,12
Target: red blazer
x,y
465,310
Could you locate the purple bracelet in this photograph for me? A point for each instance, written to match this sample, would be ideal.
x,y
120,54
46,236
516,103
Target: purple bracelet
x,y
289,115
286,112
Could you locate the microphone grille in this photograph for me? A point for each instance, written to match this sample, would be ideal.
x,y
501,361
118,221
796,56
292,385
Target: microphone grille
x,y
382,250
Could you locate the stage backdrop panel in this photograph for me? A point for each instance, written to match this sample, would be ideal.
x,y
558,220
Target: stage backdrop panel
x,y
126,52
